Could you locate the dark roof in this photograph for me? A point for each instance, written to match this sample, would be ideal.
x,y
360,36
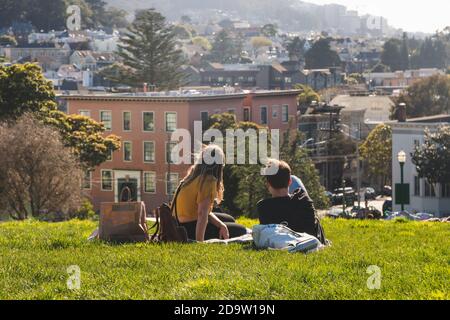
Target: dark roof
x,y
36,45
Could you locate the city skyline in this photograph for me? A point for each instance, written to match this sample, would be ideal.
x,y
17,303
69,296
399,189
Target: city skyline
x,y
420,18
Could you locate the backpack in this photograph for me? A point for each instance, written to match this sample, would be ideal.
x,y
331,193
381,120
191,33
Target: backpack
x,y
280,237
167,225
306,204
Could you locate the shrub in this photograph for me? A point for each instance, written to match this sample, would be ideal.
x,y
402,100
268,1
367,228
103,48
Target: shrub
x,y
85,212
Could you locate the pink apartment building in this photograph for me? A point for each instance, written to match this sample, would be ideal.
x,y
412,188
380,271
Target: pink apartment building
x,y
145,121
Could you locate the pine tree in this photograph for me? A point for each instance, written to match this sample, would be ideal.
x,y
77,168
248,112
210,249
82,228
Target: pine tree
x,y
405,53
225,49
150,54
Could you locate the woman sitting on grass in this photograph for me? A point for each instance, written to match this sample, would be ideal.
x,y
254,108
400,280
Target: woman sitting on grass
x,y
199,189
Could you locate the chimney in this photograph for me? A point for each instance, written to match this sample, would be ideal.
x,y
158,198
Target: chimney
x,y
401,112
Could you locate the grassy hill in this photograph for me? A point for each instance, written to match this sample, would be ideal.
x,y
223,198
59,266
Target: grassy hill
x,y
413,258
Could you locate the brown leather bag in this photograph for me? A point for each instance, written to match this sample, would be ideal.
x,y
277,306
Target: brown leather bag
x,y
167,225
123,222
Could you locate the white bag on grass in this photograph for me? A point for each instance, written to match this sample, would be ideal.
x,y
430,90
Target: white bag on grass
x,y
280,237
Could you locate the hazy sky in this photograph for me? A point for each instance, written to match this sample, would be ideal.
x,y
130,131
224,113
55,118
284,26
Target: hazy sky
x,y
410,15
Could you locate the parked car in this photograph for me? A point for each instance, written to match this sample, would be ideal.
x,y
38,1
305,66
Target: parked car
x,y
347,194
329,195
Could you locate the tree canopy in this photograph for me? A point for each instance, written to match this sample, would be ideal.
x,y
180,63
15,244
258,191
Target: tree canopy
x,y
248,185
427,97
391,55
321,56
225,49
432,157
377,151
49,15
39,175
149,51
23,89
307,96
269,30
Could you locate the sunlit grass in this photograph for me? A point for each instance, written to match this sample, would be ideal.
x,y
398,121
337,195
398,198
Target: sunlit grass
x,y
414,259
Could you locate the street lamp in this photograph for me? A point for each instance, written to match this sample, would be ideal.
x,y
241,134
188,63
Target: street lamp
x,y
401,157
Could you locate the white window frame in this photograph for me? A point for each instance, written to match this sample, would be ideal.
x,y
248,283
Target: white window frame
x,y
168,180
165,121
145,184
287,113
154,151
261,108
275,111
249,114
112,180
142,121
90,181
419,185
100,118
166,149
131,151
85,111
123,121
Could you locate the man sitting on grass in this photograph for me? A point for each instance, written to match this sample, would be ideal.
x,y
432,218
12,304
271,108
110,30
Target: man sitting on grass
x,y
296,210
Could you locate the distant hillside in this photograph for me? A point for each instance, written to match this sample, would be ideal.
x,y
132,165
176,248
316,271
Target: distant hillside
x,y
286,12
290,15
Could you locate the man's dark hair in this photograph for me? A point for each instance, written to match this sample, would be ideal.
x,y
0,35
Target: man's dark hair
x,y
282,178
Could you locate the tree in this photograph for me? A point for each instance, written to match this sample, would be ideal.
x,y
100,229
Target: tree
x,y
296,48
149,50
433,53
303,167
114,73
391,55
186,19
202,42
377,152
431,158
114,18
225,49
23,89
404,52
244,184
6,40
39,175
270,30
427,97
321,56
307,96
182,32
84,137
260,42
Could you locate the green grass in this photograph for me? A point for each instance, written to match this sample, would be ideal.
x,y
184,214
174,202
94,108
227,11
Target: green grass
x,y
414,259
